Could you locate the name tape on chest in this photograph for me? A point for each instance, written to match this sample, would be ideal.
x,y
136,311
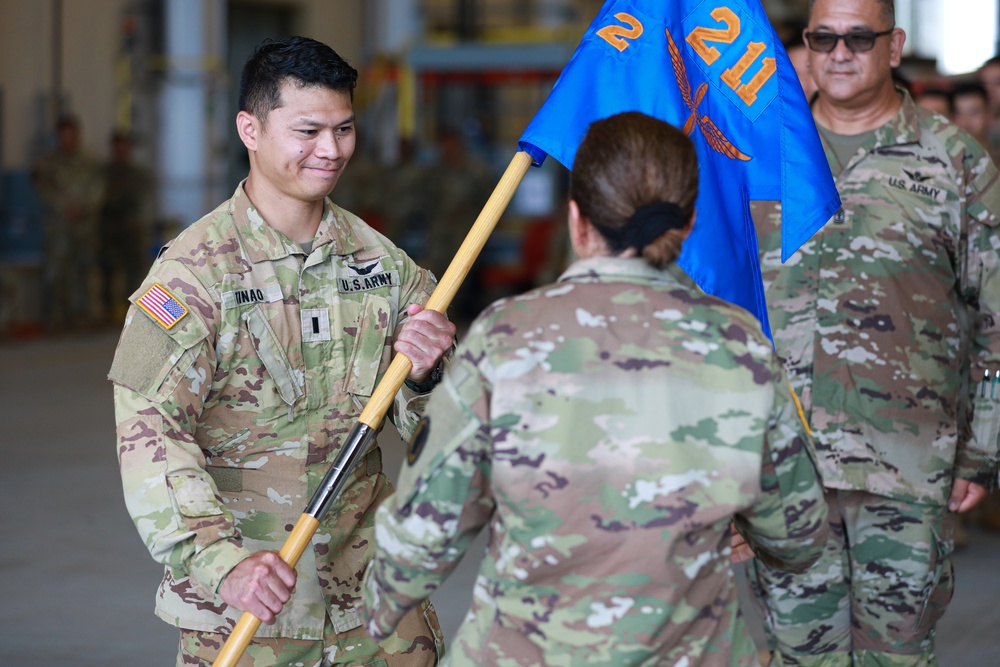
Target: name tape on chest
x,y
250,296
162,306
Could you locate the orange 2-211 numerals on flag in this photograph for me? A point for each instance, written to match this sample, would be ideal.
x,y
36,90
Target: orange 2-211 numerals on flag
x,y
699,38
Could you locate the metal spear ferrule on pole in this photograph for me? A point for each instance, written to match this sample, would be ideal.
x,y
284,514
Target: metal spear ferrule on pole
x,y
371,417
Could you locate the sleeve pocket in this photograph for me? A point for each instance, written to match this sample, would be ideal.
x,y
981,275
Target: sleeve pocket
x,y
194,495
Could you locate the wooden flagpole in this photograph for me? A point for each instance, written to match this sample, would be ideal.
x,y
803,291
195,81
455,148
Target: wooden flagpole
x,y
371,417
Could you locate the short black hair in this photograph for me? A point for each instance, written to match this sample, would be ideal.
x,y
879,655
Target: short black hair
x,y
304,61
941,93
794,38
971,88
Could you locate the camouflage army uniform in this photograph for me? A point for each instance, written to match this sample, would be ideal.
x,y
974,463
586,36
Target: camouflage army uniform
x,y
229,417
606,428
70,186
878,318
124,230
458,192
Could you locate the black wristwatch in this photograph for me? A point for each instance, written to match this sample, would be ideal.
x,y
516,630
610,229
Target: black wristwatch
x,y
427,385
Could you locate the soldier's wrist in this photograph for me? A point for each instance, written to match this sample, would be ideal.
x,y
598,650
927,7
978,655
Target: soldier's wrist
x,y
425,386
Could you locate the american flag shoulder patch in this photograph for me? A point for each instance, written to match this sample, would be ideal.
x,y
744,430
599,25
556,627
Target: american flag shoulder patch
x,y
161,305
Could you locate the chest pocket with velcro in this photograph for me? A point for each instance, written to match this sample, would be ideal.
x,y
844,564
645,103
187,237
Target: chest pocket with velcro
x,y
375,323
272,353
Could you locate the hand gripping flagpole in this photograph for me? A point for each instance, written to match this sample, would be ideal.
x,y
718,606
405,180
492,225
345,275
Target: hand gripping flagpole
x,y
371,417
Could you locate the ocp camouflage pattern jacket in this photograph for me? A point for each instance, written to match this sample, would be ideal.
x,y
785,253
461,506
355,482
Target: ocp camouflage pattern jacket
x,y
234,397
606,429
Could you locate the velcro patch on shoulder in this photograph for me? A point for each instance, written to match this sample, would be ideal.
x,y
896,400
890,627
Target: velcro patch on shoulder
x,y
144,355
162,306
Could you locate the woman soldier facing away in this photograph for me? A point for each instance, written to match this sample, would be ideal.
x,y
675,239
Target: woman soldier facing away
x,y
607,428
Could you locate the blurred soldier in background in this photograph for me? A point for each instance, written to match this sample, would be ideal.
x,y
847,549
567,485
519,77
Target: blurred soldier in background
x,y
407,199
972,114
457,186
362,188
69,182
937,100
798,54
989,76
125,223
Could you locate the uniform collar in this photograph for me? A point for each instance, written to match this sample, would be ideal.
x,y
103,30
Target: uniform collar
x,y
631,269
903,128
262,242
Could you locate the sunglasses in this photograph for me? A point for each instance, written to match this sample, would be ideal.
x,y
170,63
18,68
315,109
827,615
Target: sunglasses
x,y
856,42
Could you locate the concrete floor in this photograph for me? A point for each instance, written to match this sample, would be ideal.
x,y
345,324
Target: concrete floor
x,y
76,583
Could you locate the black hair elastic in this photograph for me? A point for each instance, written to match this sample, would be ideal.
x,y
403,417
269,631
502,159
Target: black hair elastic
x,y
647,224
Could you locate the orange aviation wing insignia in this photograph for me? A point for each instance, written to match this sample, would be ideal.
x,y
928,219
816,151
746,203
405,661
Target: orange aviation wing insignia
x,y
713,135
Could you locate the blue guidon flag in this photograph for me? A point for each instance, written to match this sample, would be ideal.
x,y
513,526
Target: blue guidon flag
x,y
161,305
716,69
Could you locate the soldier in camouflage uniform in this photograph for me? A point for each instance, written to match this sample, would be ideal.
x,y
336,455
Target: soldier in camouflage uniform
x,y
457,184
128,189
879,318
249,352
606,428
70,184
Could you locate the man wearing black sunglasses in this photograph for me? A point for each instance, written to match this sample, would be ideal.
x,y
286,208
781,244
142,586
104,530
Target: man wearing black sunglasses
x,y
880,318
